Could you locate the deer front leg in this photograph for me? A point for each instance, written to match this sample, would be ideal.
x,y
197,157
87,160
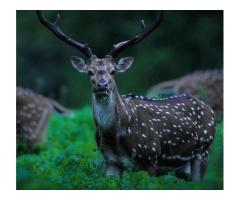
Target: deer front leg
x,y
112,168
113,171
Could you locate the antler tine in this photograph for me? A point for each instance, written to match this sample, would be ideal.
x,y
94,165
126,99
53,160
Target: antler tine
x,y
117,48
54,28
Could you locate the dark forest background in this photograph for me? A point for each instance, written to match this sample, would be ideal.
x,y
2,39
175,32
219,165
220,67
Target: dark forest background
x,y
185,41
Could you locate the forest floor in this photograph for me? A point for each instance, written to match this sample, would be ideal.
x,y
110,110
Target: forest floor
x,y
70,160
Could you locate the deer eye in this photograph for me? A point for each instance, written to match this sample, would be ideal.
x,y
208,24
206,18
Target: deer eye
x,y
90,73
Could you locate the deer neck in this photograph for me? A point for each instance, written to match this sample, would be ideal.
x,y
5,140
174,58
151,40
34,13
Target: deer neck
x,y
107,111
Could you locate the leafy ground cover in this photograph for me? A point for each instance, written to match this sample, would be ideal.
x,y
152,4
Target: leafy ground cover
x,y
70,160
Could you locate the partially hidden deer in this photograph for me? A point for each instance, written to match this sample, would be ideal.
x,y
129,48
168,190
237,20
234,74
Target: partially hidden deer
x,y
137,133
33,114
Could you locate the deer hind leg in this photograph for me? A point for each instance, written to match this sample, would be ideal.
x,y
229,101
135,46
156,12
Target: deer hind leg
x,y
199,167
203,168
204,162
184,172
199,164
196,169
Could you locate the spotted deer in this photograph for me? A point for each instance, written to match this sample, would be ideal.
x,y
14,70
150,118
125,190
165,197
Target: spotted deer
x,y
33,114
137,133
207,85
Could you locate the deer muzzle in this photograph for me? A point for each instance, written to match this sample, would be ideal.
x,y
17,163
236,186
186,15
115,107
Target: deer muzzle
x,y
102,87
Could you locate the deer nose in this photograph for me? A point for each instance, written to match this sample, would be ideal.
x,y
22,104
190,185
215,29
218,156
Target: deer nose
x,y
102,83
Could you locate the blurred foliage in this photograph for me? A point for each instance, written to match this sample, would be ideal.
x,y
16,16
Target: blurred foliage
x,y
184,42
71,160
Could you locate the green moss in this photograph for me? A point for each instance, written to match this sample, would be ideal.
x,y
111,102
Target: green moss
x,y
71,160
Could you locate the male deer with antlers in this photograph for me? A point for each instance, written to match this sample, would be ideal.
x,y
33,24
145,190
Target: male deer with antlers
x,y
137,133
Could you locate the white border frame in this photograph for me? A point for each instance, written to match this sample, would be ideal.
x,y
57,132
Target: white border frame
x,y
8,95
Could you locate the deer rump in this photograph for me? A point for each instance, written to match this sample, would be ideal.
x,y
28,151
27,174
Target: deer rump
x,y
159,135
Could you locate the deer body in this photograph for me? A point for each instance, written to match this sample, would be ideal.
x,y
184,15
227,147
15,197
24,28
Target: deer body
x,y
138,133
154,135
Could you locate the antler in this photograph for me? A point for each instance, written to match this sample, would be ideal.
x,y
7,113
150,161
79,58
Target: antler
x,y
117,48
54,27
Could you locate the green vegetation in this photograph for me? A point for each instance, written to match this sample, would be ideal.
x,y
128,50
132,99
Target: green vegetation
x,y
71,160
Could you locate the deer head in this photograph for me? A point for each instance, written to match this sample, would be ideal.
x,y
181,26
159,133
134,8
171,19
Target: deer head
x,y
101,71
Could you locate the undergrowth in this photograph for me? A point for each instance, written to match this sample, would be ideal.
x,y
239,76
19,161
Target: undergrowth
x,y
71,160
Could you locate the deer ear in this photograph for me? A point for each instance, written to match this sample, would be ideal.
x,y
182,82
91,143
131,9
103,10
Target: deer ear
x,y
124,64
79,64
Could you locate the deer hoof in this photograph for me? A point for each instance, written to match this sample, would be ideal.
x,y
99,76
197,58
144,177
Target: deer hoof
x,y
112,171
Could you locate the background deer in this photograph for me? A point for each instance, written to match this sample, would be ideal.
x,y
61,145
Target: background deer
x,y
137,133
33,114
207,85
